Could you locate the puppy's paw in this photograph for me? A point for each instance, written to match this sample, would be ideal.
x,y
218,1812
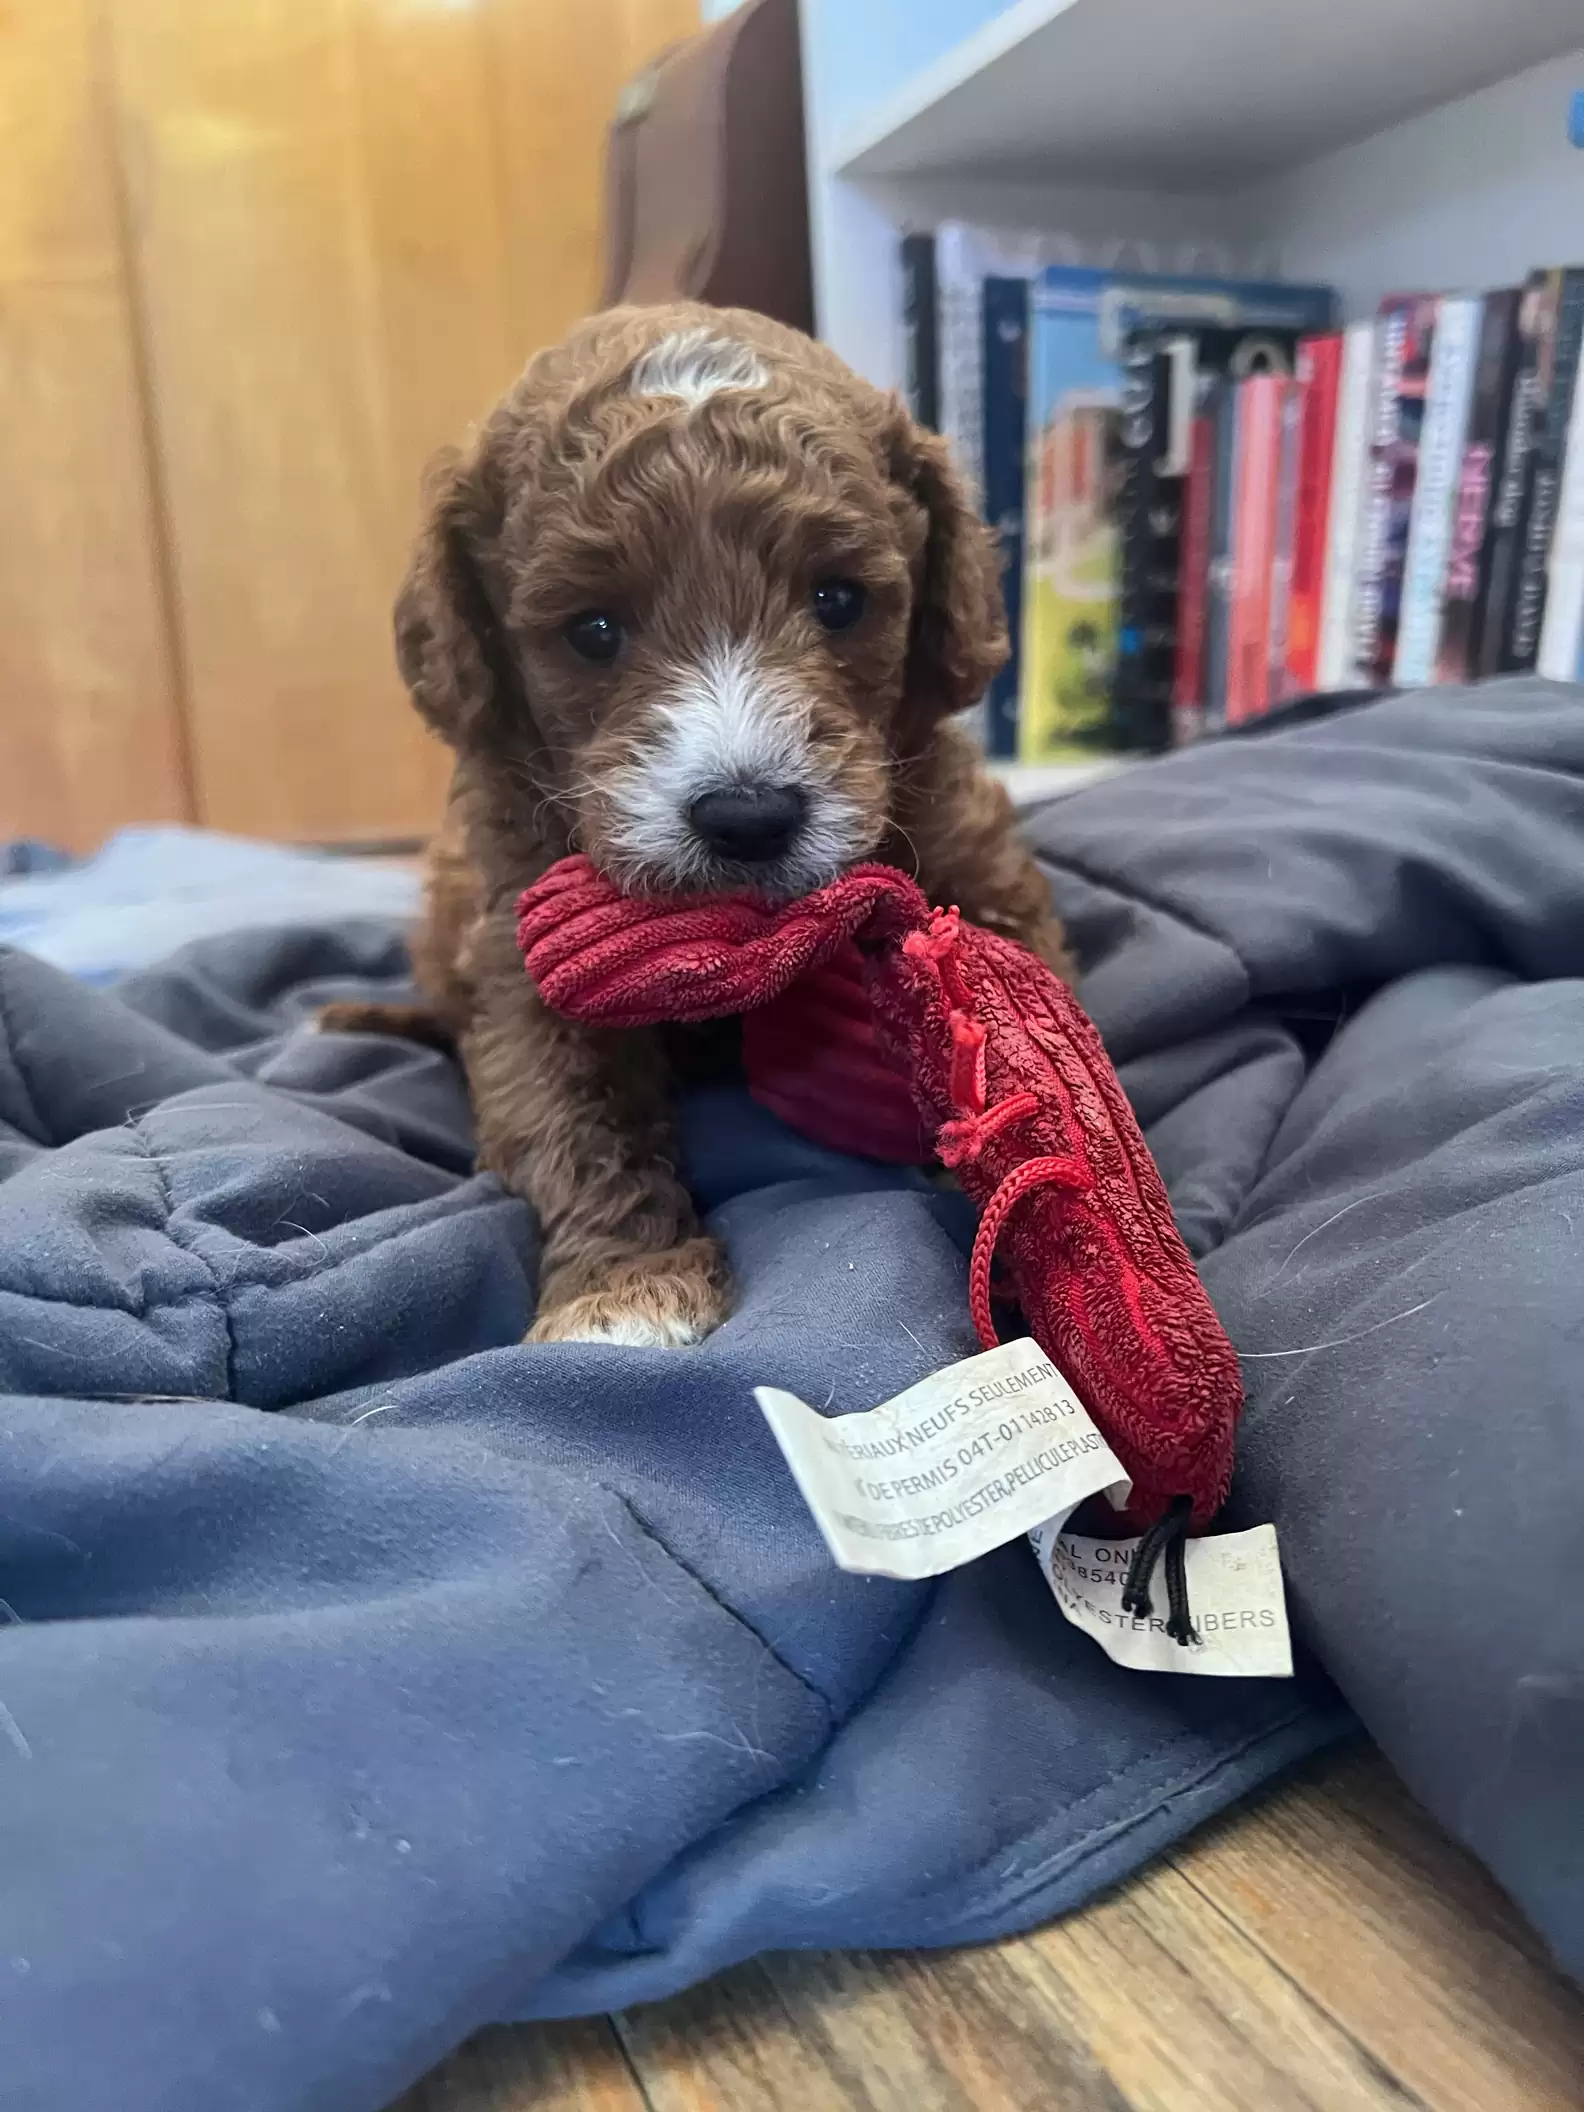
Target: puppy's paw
x,y
652,1301
602,1318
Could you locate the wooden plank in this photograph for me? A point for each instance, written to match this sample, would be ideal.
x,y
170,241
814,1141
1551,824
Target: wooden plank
x,y
731,2046
354,220
90,733
1351,1890
1146,2000
573,2067
931,2032
1149,2001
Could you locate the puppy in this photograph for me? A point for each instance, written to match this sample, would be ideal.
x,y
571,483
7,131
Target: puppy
x,y
699,603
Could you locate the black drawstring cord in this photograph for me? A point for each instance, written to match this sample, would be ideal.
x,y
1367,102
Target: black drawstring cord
x,y
1135,1589
1168,1536
1179,1622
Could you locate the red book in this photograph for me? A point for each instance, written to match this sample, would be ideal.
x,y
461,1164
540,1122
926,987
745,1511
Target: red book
x,y
1319,378
1193,580
1254,502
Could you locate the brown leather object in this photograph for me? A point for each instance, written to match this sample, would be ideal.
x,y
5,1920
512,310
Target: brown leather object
x,y
706,192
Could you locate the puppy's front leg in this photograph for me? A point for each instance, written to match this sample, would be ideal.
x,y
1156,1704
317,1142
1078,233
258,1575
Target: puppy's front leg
x,y
579,1122
959,835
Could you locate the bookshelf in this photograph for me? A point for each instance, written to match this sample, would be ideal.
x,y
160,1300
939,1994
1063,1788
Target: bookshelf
x,y
1028,782
1189,92
1373,145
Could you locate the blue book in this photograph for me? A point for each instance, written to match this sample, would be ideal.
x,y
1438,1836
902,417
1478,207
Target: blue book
x,y
1079,326
1006,315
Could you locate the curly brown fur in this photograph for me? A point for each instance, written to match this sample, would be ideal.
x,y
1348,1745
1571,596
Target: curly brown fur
x,y
698,492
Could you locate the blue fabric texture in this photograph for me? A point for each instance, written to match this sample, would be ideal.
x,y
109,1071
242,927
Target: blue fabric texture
x,y
366,1676
152,890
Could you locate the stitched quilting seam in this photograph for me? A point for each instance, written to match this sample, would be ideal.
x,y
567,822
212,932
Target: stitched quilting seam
x,y
1074,1853
30,1105
724,1605
146,1146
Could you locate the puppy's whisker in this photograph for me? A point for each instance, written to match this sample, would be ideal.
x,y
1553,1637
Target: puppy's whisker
x,y
897,829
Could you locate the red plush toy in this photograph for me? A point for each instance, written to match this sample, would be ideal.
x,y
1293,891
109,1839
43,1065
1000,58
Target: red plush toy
x,y
879,1026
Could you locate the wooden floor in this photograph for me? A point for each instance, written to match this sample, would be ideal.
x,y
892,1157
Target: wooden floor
x,y
1323,1948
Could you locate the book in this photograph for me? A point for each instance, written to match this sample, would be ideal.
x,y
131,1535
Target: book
x,y
1069,570
1337,666
1226,421
1284,542
1254,507
966,259
1448,396
1149,524
1004,323
1164,370
1319,376
1193,581
1536,320
1468,556
920,341
965,256
1553,405
1079,323
1405,336
1561,654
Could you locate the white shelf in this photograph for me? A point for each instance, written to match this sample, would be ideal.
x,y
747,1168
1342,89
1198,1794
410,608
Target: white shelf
x,y
1028,782
1157,93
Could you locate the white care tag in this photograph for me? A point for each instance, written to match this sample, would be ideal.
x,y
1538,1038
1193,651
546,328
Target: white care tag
x,y
960,1463
1234,1594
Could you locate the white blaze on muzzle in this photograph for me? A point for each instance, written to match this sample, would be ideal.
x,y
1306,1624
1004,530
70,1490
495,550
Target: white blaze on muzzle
x,y
722,723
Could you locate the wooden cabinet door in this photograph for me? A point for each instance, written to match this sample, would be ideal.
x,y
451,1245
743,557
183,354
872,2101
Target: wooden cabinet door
x,y
351,222
90,730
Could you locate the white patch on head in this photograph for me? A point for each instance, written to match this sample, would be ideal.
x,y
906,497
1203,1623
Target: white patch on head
x,y
728,721
694,366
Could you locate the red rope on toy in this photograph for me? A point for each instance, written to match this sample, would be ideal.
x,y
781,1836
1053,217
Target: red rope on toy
x,y
1033,1173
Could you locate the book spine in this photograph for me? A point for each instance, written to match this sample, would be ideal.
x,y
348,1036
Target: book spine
x,y
1319,378
1562,633
921,347
1135,488
1285,538
1149,525
1545,471
1457,652
1228,418
1390,345
1338,665
1536,316
1253,548
1410,323
1446,417
1005,324
1188,683
959,349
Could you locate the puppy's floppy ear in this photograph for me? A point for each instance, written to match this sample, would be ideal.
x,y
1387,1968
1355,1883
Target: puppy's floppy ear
x,y
959,637
449,644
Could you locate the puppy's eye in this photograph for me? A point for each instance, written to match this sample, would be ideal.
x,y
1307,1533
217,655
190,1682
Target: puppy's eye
x,y
838,603
596,634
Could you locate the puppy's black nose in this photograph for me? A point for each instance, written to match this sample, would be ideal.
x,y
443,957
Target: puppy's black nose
x,y
749,824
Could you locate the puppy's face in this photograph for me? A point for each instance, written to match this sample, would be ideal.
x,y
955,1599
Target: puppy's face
x,y
730,588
